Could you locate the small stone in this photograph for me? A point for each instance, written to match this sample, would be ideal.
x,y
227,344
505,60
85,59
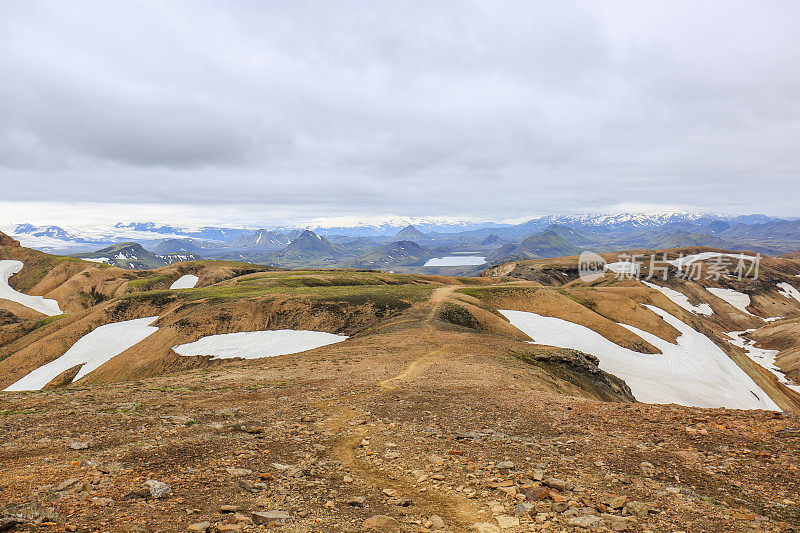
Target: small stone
x,y
615,502
558,484
436,522
228,508
238,518
506,521
623,523
521,510
538,474
77,445
66,484
357,501
157,488
270,516
247,486
505,465
585,521
391,455
225,528
648,469
200,527
381,523
638,509
536,494
484,527
238,471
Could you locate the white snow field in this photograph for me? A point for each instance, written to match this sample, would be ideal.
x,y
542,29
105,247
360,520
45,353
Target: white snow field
x,y
764,357
38,303
258,344
739,300
693,372
91,350
186,282
689,259
682,300
455,260
789,291
623,267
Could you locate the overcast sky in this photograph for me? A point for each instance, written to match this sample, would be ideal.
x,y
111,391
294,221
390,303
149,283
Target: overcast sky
x,y
480,109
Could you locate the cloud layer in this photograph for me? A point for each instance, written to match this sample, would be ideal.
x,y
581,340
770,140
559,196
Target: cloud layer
x,y
420,108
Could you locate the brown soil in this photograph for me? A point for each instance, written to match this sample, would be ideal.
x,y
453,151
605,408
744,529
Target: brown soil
x,y
416,414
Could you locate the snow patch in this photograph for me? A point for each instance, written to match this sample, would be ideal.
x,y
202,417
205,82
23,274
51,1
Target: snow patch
x,y
92,350
258,344
764,357
38,303
739,300
689,259
189,281
693,372
789,291
623,267
454,260
97,259
680,299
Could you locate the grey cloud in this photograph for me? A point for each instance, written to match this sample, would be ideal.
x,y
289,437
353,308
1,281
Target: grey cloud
x,y
405,107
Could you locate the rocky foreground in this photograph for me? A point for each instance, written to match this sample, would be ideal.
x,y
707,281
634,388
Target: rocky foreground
x,y
260,447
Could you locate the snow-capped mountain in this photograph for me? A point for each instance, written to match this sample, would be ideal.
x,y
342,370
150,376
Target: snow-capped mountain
x,y
262,239
643,219
204,240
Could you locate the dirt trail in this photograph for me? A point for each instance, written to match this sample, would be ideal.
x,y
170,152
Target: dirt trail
x,y
418,365
345,449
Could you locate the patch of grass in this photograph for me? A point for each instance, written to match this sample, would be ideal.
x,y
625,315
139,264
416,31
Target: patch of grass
x,y
470,281
326,278
147,284
486,293
458,315
220,293
157,298
47,321
585,303
168,388
12,412
92,297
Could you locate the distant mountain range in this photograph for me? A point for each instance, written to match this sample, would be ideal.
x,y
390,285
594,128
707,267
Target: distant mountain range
x,y
133,256
387,246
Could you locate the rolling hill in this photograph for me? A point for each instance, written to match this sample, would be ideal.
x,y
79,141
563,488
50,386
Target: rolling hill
x,y
428,405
